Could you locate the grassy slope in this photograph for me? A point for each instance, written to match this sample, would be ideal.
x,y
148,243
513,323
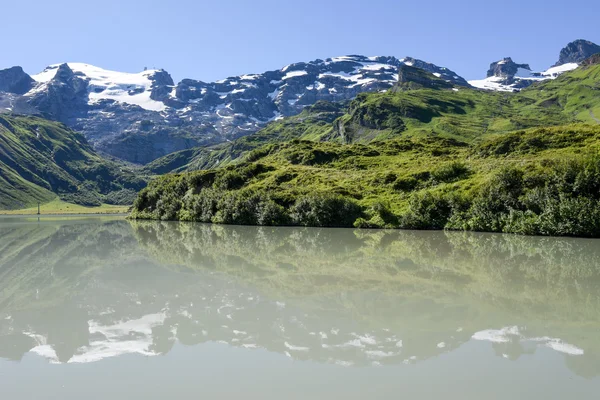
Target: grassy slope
x,y
418,142
390,171
314,122
59,207
466,115
40,159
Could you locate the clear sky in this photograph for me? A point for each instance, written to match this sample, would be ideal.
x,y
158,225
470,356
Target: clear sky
x,y
210,40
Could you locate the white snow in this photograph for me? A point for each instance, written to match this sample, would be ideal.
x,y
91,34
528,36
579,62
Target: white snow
x,y
274,94
555,71
491,83
111,85
249,77
377,67
293,74
494,83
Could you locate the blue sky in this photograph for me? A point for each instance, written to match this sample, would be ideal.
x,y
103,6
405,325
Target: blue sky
x,y
210,40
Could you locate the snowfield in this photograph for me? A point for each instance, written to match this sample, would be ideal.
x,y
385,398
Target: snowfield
x,y
121,87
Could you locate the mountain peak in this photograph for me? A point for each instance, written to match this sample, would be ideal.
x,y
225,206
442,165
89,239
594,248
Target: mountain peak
x,y
15,80
577,51
506,68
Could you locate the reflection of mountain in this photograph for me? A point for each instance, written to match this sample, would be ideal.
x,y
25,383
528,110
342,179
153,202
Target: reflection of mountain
x,y
85,290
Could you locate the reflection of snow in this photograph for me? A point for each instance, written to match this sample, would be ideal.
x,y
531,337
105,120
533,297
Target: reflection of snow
x,y
43,348
127,337
507,334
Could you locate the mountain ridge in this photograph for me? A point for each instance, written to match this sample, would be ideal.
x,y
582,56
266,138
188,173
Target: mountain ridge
x,y
140,117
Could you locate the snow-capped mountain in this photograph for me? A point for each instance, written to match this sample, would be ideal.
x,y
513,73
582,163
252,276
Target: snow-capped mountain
x,y
508,76
141,116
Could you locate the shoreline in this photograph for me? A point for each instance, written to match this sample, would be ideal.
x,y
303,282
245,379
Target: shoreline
x,y
2,215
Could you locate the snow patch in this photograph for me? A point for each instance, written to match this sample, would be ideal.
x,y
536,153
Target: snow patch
x,y
104,84
294,74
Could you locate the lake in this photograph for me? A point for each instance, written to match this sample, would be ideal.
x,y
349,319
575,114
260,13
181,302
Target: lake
x,y
105,308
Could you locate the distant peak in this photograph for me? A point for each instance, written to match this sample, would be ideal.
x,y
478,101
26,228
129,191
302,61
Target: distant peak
x,y
577,51
506,68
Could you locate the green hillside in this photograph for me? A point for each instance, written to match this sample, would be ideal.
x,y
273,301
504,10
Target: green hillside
x,y
41,159
421,158
412,110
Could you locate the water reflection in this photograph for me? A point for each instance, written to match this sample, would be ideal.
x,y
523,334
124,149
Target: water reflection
x,y
84,290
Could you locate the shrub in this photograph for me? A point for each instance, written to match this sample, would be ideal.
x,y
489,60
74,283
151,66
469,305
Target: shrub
x,y
427,211
325,210
380,217
450,172
229,180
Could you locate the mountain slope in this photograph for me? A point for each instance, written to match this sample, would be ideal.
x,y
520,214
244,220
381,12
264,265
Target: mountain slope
x,y
40,159
140,117
413,109
419,156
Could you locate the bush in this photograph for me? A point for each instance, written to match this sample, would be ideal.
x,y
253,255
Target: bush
x,y
427,211
380,217
325,210
229,180
450,172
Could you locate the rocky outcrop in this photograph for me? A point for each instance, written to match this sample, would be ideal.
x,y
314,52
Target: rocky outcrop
x,y
416,78
440,72
63,97
15,80
506,68
506,75
593,60
162,85
577,51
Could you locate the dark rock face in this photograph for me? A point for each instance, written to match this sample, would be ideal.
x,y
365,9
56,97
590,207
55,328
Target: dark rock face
x,y
505,68
63,96
577,51
145,116
414,78
162,85
593,60
15,80
440,72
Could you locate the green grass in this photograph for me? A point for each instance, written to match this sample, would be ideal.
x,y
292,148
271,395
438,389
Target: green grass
x,y
58,207
386,179
463,114
522,162
40,159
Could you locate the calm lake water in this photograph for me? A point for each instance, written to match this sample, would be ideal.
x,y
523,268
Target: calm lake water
x,y
104,308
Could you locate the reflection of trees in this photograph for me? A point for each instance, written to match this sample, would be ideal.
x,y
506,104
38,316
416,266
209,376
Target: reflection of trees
x,y
423,288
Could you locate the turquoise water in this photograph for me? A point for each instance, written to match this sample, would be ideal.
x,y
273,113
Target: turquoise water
x,y
101,308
